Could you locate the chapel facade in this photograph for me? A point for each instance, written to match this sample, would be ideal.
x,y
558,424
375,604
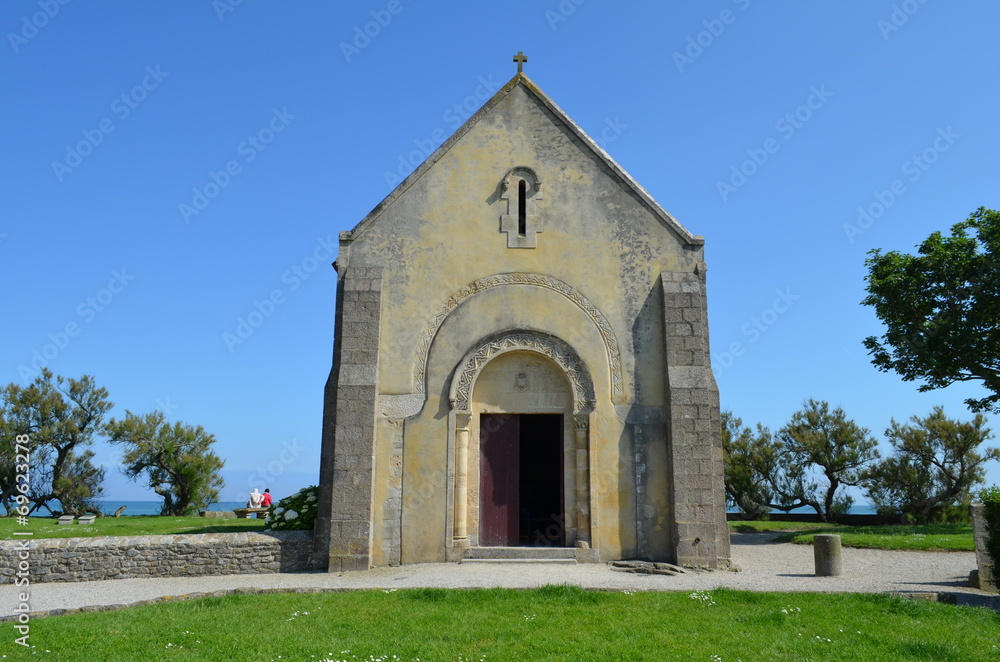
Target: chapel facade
x,y
521,362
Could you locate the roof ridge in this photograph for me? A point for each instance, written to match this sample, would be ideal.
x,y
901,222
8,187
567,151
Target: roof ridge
x,y
520,78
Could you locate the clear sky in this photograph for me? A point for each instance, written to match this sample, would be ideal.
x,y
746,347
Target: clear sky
x,y
175,175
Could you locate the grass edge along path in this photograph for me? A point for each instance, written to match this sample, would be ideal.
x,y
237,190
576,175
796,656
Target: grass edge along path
x,y
135,525
550,623
923,537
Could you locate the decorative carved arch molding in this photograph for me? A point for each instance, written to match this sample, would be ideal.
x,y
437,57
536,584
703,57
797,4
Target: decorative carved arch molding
x,y
460,397
462,384
522,279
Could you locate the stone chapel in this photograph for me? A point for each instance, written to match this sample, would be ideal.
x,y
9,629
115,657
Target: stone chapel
x,y
521,362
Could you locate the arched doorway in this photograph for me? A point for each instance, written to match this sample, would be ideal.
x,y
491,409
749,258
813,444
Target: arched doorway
x,y
522,402
525,453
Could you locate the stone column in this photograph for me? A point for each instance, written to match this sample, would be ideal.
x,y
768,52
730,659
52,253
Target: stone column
x,y
582,428
694,435
345,514
462,422
828,555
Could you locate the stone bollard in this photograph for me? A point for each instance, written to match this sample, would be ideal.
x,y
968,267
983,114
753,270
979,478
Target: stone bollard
x,y
826,550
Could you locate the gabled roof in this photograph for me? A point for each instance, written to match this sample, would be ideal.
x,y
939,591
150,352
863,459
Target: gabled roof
x,y
524,81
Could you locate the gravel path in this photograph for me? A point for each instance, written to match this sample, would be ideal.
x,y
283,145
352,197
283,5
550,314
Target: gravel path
x,y
764,566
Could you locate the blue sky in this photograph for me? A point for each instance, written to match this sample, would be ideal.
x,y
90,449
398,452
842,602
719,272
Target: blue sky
x,y
171,169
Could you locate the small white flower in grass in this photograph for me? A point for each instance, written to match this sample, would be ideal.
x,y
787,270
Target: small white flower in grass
x,y
704,597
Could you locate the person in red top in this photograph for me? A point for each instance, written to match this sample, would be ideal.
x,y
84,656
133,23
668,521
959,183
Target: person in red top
x,y
266,501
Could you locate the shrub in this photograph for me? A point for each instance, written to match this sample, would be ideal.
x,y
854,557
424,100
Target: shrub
x,y
294,513
991,512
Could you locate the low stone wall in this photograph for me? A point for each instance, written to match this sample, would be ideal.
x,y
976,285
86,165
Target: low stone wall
x,y
90,559
218,514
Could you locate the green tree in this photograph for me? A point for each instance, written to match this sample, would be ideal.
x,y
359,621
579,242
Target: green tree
x,y
744,455
941,309
8,463
837,446
760,475
61,416
935,466
177,460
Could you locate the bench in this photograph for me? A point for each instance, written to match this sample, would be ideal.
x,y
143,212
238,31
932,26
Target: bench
x,y
244,513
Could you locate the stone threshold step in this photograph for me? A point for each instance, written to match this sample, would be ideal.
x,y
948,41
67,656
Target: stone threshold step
x,y
520,553
502,561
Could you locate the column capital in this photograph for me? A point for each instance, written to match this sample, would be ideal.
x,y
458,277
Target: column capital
x,y
463,419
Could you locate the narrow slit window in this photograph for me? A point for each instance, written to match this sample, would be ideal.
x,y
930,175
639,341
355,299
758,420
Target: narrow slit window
x,y
522,208
520,191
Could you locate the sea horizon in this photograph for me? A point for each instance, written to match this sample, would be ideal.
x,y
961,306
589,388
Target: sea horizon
x,y
144,507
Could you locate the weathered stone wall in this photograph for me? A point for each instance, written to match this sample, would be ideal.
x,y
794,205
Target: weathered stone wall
x,y
449,271
695,447
91,559
345,509
987,568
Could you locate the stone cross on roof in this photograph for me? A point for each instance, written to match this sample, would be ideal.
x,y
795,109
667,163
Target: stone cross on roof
x,y
520,58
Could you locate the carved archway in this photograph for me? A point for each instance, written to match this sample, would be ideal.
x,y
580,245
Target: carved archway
x,y
536,280
460,397
539,342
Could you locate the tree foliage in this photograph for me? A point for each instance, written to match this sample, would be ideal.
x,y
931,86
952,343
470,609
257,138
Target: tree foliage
x,y
176,459
935,466
836,445
744,455
760,474
61,416
941,309
785,471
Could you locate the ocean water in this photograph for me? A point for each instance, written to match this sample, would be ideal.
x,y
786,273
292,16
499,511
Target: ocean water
x,y
856,509
108,507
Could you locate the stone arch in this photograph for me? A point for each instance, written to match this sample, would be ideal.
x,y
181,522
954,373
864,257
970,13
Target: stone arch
x,y
460,420
536,280
556,349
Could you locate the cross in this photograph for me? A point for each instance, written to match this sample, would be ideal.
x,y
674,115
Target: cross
x,y
520,58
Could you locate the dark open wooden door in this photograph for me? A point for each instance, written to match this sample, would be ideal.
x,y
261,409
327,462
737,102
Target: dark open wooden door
x,y
540,476
499,488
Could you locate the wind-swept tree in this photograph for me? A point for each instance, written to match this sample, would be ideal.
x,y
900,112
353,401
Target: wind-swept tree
x,y
176,459
935,465
61,416
836,445
745,455
760,474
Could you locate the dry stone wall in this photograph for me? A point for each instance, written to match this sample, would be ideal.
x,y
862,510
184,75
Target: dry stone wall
x,y
91,559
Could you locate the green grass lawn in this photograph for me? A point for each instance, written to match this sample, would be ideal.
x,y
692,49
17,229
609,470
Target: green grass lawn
x,y
944,537
551,623
756,526
45,527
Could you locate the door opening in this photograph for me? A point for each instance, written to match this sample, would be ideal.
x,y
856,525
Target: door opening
x,y
521,480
